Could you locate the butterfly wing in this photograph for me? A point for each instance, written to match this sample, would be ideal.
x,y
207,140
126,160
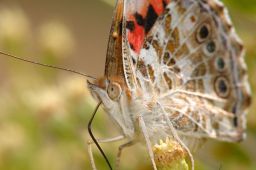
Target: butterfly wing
x,y
127,34
187,53
114,64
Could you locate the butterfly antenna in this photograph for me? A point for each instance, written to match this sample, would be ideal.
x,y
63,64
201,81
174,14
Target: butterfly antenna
x,y
46,65
94,139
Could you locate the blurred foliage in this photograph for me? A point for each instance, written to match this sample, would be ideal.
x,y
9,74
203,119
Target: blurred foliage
x,y
44,113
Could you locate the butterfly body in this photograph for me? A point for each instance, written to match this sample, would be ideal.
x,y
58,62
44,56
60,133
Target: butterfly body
x,y
175,64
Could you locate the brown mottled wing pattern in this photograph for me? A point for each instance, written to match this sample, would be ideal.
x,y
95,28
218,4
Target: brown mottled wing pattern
x,y
192,60
118,62
114,63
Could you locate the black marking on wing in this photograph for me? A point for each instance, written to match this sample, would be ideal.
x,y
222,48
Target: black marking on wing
x,y
130,25
150,19
164,4
139,19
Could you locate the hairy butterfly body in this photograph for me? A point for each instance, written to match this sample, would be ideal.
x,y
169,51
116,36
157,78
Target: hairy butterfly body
x,y
174,68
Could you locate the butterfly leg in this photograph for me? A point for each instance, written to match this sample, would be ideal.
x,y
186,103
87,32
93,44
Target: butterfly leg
x,y
108,140
120,149
148,143
176,136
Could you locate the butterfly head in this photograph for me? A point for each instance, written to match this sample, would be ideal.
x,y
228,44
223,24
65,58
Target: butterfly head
x,y
105,90
114,96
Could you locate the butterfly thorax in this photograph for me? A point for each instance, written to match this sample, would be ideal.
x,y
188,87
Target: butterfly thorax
x,y
125,106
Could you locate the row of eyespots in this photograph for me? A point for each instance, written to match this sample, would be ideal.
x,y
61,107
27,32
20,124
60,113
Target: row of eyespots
x,y
221,83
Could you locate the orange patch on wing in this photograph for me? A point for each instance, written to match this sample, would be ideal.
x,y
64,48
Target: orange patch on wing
x,y
158,6
136,37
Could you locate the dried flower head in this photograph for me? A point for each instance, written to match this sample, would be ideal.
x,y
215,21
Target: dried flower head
x,y
169,155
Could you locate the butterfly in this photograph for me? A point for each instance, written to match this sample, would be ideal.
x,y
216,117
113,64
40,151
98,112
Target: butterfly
x,y
174,69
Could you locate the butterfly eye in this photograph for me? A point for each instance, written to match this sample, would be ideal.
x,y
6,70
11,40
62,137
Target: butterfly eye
x,y
221,87
114,91
203,33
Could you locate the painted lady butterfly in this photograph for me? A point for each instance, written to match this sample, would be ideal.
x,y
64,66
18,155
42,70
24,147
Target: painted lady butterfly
x,y
175,69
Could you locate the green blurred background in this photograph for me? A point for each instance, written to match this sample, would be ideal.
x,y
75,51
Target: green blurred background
x,y
44,112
